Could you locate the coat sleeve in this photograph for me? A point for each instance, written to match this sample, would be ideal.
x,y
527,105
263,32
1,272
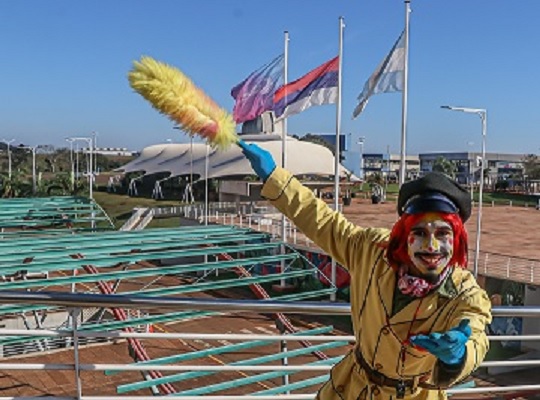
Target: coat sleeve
x,y
330,230
475,306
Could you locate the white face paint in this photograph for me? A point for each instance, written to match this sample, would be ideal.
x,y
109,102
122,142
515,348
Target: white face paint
x,y
430,245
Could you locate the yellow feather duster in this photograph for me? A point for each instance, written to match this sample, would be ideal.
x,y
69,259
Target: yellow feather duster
x,y
173,94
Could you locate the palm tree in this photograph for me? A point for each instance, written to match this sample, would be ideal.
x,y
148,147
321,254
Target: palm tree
x,y
16,186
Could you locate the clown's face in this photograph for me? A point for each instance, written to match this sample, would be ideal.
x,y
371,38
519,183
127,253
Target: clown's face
x,y
430,245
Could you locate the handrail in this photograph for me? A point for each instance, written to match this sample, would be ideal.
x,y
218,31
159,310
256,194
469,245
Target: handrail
x,y
180,303
61,333
74,301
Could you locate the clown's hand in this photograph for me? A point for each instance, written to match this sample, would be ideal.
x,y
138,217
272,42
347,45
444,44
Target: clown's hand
x,y
261,160
449,347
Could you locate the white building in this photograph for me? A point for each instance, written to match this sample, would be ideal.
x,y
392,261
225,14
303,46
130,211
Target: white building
x,y
111,151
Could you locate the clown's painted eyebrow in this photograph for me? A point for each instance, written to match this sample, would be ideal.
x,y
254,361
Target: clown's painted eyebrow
x,y
439,229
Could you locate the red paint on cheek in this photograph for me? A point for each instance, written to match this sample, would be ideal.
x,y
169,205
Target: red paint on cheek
x,y
451,242
411,240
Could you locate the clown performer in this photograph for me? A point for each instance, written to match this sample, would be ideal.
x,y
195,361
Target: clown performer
x,y
418,315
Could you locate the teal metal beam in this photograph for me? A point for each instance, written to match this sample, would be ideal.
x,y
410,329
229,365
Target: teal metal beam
x,y
121,236
42,254
130,274
105,260
252,361
213,351
252,379
293,386
116,325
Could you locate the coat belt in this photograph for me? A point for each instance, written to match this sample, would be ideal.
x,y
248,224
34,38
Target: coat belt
x,y
378,378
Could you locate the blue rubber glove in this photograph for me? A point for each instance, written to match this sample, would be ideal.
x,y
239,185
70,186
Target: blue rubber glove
x,y
449,347
261,160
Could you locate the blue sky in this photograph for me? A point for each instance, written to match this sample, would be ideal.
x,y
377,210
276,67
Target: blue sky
x,y
65,63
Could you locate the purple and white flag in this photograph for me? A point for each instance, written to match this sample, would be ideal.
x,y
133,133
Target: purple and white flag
x,y
255,94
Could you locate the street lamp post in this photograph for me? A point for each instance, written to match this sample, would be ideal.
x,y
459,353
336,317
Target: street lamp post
x,y
8,143
89,167
360,142
32,149
94,137
482,113
471,173
206,167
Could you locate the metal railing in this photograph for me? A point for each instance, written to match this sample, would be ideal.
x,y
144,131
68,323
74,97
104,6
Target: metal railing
x,y
75,301
518,269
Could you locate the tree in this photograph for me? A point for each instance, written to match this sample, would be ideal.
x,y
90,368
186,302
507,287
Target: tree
x,y
441,164
375,178
531,166
17,186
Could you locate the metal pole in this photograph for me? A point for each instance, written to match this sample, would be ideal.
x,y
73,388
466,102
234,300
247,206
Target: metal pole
x,y
77,162
361,143
94,136
8,143
191,162
70,140
402,164
34,186
482,113
471,171
387,171
483,117
74,316
9,160
338,131
206,160
67,299
284,152
91,169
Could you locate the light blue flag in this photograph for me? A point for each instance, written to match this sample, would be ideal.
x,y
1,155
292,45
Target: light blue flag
x,y
388,77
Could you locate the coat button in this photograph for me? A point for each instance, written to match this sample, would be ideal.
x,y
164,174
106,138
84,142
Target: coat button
x,y
378,366
375,390
385,331
340,388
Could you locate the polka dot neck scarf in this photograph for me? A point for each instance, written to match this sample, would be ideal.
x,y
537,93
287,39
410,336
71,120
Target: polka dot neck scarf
x,y
415,286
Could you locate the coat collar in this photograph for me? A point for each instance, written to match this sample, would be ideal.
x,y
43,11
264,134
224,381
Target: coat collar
x,y
424,307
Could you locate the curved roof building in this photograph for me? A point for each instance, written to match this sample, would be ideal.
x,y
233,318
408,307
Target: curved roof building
x,y
177,159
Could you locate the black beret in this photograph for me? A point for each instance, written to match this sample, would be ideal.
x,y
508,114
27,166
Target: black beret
x,y
421,192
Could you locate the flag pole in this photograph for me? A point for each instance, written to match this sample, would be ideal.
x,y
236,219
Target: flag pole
x,y
402,164
284,149
337,146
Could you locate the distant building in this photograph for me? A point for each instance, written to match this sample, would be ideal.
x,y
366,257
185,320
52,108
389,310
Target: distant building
x,y
330,138
499,166
112,151
387,165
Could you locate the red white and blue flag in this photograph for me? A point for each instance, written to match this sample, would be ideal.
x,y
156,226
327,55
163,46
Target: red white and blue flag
x,y
255,94
316,88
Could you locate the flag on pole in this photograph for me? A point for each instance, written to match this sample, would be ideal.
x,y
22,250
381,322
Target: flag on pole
x,y
255,94
388,77
316,88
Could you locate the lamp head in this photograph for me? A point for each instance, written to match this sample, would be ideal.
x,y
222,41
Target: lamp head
x,y
480,111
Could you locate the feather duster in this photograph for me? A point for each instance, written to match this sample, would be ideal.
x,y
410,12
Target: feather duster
x,y
173,94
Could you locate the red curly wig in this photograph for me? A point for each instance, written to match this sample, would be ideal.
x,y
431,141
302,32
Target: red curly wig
x,y
397,247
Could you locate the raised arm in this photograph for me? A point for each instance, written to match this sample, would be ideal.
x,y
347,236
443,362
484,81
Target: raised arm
x,y
328,229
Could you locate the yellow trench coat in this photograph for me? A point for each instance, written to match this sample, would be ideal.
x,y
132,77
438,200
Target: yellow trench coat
x,y
380,336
